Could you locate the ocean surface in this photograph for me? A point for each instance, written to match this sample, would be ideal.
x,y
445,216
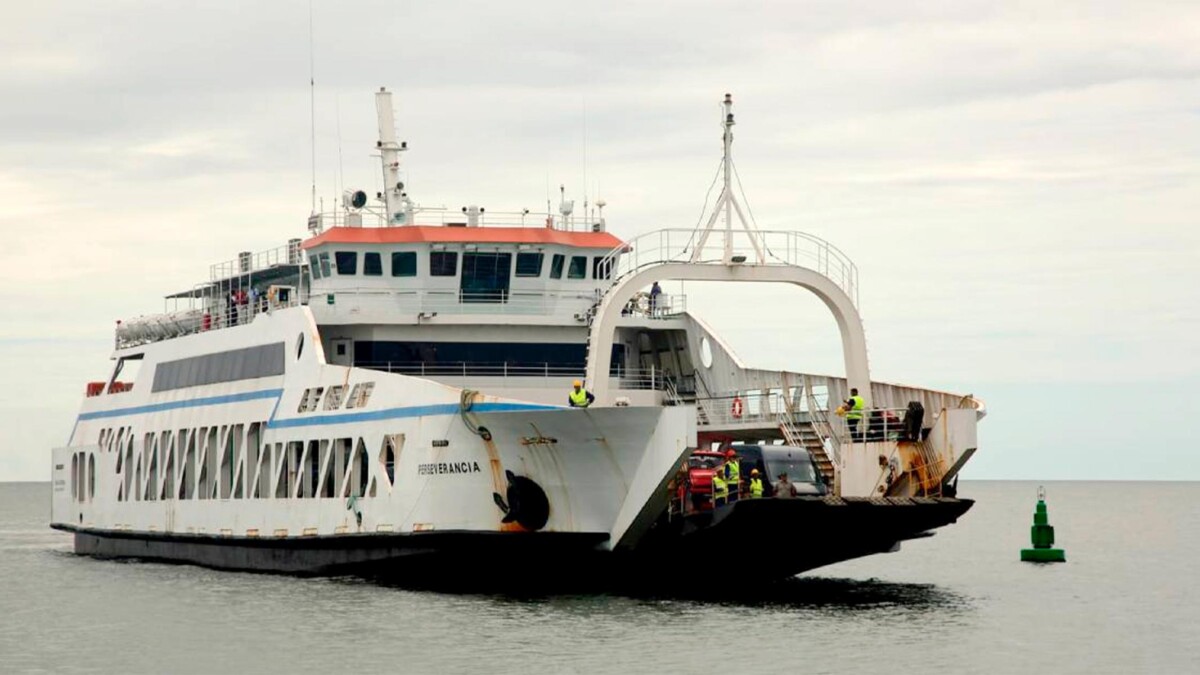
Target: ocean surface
x,y
1127,601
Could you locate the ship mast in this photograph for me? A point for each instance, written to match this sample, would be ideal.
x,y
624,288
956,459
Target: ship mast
x,y
727,203
396,203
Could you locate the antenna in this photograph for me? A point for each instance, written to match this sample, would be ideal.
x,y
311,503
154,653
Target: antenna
x,y
337,112
727,202
312,105
585,183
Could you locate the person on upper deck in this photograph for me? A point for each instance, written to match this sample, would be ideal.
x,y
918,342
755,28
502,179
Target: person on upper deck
x,y
580,397
655,291
854,411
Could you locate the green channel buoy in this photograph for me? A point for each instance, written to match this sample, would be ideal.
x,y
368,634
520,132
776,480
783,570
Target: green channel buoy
x,y
1042,534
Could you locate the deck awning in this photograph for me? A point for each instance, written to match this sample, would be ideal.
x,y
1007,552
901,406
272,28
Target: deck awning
x,y
286,273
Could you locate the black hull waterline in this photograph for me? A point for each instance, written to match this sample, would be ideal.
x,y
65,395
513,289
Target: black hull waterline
x,y
821,531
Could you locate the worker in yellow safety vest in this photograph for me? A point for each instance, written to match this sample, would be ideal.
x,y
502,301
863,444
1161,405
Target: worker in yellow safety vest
x,y
756,486
854,411
720,489
733,474
580,397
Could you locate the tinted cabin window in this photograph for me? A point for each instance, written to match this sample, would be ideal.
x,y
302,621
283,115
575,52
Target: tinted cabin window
x,y
230,366
347,262
485,277
325,270
529,264
601,269
372,265
314,267
443,263
404,264
578,268
556,266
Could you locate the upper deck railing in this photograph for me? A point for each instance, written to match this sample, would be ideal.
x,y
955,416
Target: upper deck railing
x,y
779,247
462,217
247,264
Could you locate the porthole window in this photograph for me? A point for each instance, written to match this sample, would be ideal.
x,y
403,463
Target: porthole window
x,y
299,345
705,352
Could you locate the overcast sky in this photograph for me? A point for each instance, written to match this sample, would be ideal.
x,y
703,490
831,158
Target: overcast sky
x,y
1018,182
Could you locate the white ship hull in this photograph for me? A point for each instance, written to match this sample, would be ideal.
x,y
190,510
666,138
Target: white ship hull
x,y
239,454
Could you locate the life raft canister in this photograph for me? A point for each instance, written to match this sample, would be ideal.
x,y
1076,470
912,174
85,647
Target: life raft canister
x,y
736,408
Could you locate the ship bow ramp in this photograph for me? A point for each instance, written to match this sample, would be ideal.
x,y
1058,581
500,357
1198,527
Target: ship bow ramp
x,y
602,470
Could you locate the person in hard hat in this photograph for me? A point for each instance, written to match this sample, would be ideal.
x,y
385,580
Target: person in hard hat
x,y
580,397
732,473
720,489
756,485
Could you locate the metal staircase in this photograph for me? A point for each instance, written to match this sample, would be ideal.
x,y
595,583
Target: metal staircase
x,y
803,435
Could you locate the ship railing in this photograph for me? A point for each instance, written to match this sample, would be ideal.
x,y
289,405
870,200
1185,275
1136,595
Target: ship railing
x,y
626,378
451,217
457,301
742,408
215,313
248,263
876,424
764,247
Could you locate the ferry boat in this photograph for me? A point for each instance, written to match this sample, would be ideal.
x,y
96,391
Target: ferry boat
x,y
390,395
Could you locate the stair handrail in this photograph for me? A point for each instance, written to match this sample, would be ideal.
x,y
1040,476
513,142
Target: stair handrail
x,y
820,422
701,401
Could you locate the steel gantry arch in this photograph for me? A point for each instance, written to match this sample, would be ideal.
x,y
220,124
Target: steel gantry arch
x,y
604,322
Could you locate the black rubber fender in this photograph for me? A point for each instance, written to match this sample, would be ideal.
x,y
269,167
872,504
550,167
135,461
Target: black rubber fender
x,y
527,504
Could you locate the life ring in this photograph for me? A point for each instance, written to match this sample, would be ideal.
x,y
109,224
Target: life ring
x,y
736,408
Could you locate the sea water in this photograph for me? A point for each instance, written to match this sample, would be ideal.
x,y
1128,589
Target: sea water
x,y
1127,600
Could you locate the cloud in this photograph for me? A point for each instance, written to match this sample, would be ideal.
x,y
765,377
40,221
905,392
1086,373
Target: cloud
x,y
1017,182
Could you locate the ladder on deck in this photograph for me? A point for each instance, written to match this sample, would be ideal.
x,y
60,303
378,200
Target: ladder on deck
x,y
804,436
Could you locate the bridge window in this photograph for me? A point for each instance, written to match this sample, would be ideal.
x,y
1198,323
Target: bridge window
x,y
529,264
314,267
578,268
372,265
404,264
556,266
601,268
325,269
443,263
485,277
347,262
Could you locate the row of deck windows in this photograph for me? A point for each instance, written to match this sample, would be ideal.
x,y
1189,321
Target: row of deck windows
x,y
445,264
234,461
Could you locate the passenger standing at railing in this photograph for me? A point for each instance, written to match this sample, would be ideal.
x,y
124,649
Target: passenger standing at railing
x,y
239,296
580,397
854,407
655,291
233,311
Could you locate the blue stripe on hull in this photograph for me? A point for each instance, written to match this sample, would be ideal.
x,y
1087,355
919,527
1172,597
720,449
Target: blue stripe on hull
x,y
187,403
313,420
399,413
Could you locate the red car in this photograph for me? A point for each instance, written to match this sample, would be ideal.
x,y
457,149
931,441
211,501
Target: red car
x,y
701,465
